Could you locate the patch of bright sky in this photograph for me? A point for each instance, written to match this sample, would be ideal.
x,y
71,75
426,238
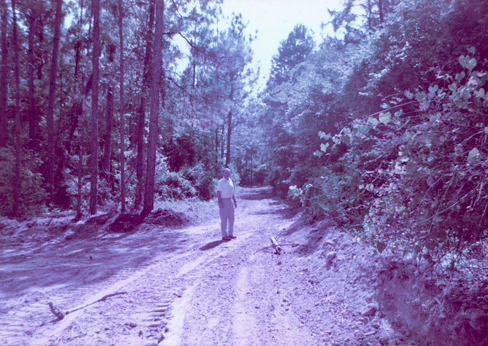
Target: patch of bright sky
x,y
275,19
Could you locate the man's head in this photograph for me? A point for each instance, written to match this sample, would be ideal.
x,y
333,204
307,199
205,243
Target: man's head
x,y
226,173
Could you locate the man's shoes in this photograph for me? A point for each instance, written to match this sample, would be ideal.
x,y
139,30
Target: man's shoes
x,y
226,238
232,237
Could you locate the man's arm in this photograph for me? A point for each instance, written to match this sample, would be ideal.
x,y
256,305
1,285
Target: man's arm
x,y
234,198
219,197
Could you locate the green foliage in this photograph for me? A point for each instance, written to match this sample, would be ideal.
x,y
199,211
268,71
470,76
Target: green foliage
x,y
202,179
409,176
415,182
172,185
394,118
260,173
278,179
187,147
292,51
31,195
189,167
312,99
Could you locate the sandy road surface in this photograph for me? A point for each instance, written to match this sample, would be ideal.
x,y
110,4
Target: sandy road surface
x,y
177,287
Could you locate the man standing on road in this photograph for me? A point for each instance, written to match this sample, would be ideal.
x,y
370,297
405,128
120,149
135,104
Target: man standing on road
x,y
225,195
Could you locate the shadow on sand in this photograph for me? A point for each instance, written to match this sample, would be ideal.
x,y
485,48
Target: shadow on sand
x,y
211,245
82,261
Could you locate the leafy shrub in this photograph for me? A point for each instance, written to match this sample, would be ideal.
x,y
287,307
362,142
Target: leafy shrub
x,y
201,179
333,194
433,189
189,147
278,179
31,195
414,182
174,186
171,185
259,175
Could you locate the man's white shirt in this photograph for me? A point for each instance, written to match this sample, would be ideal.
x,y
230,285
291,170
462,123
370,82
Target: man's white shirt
x,y
226,188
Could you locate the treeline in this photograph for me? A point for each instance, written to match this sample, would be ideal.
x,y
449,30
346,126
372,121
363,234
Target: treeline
x,y
384,129
118,101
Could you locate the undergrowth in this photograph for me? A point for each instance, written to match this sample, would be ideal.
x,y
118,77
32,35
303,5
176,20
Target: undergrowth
x,y
412,180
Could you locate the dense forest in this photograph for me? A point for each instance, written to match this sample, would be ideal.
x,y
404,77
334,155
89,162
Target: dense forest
x,y
381,128
395,116
100,103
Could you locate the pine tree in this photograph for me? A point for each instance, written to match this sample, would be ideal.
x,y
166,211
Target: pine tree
x,y
3,74
156,69
94,119
292,51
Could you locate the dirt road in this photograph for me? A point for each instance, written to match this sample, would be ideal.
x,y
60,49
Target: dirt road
x,y
186,287
182,286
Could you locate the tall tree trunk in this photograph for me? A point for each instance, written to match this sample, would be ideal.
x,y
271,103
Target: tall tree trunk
x,y
82,125
251,166
122,120
149,45
52,97
216,145
30,58
94,120
17,177
107,152
222,143
142,110
140,154
78,44
3,76
157,65
40,36
80,161
77,108
380,8
229,132
370,26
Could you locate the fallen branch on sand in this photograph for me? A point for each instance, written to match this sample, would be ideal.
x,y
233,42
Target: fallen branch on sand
x,y
275,245
60,315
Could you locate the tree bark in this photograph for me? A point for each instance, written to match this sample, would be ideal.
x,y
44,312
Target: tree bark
x,y
52,97
30,58
107,153
216,145
380,8
149,46
229,133
82,125
80,162
3,76
40,36
94,120
369,10
251,164
140,154
122,119
222,142
17,177
157,65
142,110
